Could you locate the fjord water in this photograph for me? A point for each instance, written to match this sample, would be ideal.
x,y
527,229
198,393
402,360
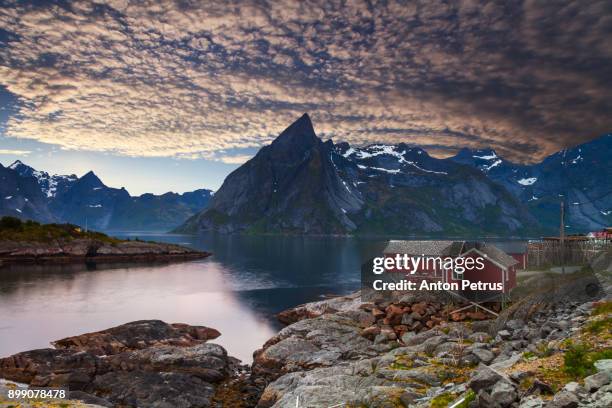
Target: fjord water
x,y
237,290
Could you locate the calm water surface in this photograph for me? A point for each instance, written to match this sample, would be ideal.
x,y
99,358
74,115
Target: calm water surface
x,y
237,290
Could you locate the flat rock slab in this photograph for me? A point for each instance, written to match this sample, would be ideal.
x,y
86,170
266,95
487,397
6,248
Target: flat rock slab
x,y
147,363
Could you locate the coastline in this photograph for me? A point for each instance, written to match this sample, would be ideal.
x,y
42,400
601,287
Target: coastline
x,y
87,251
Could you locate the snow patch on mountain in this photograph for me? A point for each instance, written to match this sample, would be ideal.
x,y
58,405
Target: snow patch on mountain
x,y
488,157
527,181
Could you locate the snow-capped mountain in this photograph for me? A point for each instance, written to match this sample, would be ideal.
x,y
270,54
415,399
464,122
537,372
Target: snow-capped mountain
x,y
21,197
300,184
31,194
581,177
50,185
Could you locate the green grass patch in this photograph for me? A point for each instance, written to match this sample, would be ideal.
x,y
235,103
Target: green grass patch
x,y
602,308
598,326
14,229
442,400
579,360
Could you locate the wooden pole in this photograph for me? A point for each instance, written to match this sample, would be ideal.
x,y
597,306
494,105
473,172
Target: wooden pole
x,y
562,238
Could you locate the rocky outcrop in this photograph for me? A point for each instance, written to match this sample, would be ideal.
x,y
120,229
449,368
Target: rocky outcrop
x,y
92,250
345,352
144,363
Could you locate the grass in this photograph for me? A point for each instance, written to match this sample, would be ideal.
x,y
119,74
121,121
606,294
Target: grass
x,y
602,308
469,397
442,400
579,360
13,229
598,326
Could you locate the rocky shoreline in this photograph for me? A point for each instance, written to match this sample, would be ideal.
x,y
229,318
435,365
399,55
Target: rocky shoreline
x,y
345,352
84,250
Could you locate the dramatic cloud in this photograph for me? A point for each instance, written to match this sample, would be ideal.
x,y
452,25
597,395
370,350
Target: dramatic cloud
x,y
196,78
15,152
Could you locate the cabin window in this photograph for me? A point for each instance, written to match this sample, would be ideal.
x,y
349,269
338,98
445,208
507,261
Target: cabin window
x,y
457,276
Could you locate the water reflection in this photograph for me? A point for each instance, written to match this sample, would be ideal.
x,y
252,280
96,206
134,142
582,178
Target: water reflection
x,y
236,291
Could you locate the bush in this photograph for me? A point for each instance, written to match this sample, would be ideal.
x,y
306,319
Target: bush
x,y
10,223
579,360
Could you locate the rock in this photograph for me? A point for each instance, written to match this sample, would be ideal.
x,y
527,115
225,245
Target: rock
x,y
604,366
411,339
596,381
600,399
155,390
563,399
515,324
531,402
89,399
47,367
407,397
502,362
480,337
574,388
484,377
349,303
206,361
137,335
485,400
322,341
539,387
370,332
503,393
483,355
147,363
504,334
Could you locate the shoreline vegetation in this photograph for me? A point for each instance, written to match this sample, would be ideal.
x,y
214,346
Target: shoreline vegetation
x,y
29,242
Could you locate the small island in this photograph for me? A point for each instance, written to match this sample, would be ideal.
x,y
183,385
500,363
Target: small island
x,y
23,242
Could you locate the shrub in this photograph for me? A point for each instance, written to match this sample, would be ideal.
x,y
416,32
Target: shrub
x,y
579,360
10,223
602,308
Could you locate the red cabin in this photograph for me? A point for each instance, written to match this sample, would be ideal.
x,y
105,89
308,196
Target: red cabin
x,y
499,267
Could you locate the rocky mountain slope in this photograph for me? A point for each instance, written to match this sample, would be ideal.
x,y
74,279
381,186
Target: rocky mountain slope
x,y
22,197
87,200
300,184
580,176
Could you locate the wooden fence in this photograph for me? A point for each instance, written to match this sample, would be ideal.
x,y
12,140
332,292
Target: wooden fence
x,y
545,254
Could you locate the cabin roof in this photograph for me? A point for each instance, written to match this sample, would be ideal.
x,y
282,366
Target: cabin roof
x,y
449,248
430,248
492,252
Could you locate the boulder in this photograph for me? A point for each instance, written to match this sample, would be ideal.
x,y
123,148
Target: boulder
x,y
596,381
484,356
563,399
484,378
136,336
504,393
604,366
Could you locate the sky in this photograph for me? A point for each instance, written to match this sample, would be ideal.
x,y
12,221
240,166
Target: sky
x,y
173,95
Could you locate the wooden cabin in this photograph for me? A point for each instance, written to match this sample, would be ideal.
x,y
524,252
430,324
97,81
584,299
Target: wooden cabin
x,y
498,266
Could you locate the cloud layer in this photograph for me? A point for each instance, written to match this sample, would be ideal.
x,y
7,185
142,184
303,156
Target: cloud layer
x,y
195,78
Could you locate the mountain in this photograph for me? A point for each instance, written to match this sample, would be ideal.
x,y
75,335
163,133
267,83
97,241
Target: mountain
x,y
580,177
88,201
50,185
21,197
300,184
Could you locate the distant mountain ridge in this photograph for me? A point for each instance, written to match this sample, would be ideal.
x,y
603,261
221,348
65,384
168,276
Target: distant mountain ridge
x,y
300,184
88,201
581,176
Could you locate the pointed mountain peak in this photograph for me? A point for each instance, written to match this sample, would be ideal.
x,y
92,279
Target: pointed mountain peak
x,y
22,169
300,133
17,164
91,179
